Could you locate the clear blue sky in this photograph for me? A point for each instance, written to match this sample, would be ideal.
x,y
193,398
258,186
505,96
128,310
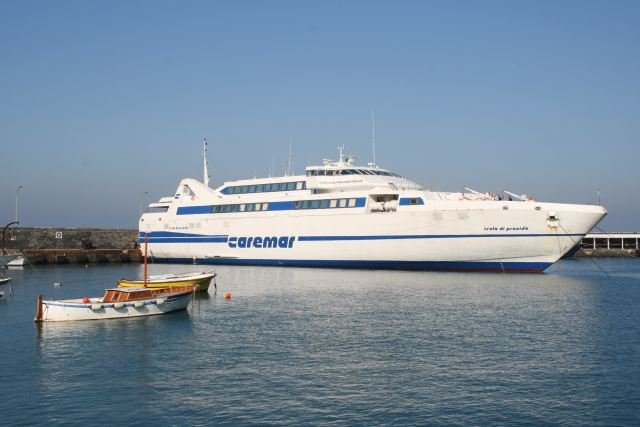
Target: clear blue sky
x,y
102,101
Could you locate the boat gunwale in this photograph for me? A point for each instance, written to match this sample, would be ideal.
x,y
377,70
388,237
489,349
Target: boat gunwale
x,y
173,278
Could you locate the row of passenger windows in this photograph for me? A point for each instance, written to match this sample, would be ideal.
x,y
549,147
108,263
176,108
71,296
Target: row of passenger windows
x,y
324,204
264,188
244,207
300,204
323,172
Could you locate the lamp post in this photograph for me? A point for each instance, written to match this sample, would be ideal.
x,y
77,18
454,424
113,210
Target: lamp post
x,y
140,203
17,192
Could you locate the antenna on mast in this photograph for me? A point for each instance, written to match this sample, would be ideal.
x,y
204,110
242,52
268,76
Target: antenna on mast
x,y
273,165
287,164
373,136
288,172
205,163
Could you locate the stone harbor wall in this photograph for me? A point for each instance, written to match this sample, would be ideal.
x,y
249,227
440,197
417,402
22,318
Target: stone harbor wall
x,y
72,245
24,238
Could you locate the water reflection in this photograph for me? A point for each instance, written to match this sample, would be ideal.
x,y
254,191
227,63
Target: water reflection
x,y
314,346
349,340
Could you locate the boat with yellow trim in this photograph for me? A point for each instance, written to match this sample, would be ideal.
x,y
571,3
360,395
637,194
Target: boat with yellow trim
x,y
160,281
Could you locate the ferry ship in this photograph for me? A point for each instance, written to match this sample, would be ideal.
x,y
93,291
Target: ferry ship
x,y
341,215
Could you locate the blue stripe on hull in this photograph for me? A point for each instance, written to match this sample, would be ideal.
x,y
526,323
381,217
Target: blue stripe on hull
x,y
509,267
423,236
151,234
188,238
211,239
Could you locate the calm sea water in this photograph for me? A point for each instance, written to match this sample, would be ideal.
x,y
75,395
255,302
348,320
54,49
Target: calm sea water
x,y
334,347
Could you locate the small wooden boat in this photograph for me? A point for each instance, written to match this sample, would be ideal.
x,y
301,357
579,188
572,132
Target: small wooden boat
x,y
17,262
159,281
116,303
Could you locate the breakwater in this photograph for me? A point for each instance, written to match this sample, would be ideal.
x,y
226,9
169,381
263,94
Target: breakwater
x,y
46,245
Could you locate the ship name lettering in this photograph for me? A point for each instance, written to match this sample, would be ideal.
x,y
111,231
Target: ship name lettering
x,y
520,228
243,242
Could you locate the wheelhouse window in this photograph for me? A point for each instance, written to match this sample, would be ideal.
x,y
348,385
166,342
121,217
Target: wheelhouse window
x,y
157,209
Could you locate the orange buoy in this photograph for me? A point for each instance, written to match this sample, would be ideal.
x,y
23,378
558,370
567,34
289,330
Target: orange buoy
x,y
85,300
227,295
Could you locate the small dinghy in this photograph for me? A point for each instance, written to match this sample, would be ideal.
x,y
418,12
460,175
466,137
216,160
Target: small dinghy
x,y
17,262
116,303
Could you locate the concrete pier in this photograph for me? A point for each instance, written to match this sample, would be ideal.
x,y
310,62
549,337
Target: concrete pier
x,y
610,245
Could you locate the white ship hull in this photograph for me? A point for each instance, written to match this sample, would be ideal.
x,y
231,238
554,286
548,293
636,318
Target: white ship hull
x,y
482,238
365,221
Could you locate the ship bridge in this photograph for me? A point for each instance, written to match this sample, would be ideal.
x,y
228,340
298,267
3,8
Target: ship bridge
x,y
344,175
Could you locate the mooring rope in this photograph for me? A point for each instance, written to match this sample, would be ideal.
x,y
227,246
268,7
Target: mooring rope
x,y
590,258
